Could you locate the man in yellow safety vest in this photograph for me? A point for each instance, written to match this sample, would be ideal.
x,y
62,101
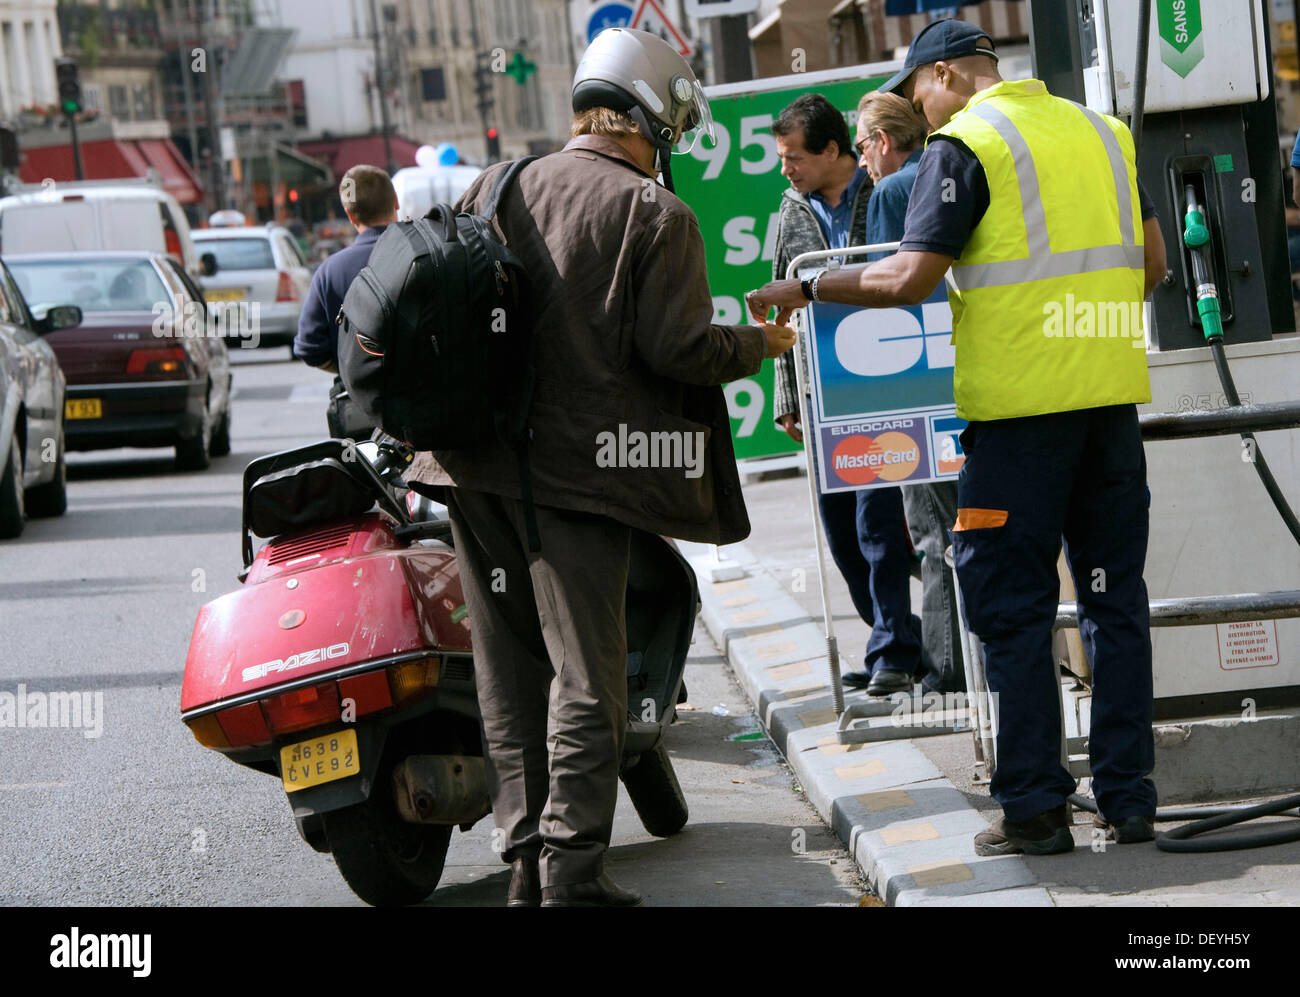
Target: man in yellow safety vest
x,y
1033,202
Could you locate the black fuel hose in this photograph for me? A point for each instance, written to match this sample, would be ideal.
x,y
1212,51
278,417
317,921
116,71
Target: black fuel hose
x,y
1256,455
1206,819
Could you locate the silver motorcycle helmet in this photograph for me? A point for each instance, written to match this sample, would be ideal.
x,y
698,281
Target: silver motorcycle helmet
x,y
641,75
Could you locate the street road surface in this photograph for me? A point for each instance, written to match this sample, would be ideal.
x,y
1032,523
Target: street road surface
x,y
103,600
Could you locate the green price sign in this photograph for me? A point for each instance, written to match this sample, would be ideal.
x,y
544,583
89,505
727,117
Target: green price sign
x,y
734,186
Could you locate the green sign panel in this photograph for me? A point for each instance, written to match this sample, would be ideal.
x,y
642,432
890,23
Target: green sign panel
x,y
1182,43
734,188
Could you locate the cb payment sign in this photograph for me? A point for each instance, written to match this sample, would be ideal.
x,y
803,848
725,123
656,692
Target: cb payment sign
x,y
734,186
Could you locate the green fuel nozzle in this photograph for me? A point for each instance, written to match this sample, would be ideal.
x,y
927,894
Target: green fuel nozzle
x,y
1196,237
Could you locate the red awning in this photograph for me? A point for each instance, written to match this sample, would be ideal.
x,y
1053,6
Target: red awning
x,y
344,153
115,159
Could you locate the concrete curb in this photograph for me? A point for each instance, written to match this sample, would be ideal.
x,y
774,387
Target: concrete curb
x,y
908,827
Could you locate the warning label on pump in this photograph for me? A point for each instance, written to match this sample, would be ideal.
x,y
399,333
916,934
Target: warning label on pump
x,y
1248,645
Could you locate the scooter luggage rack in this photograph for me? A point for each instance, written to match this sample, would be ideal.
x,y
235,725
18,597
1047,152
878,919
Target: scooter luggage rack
x,y
344,451
914,723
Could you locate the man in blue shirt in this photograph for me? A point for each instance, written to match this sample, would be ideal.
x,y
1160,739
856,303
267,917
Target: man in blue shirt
x,y
889,143
371,204
826,208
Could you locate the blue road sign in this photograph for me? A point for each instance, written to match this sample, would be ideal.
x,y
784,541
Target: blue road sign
x,y
608,15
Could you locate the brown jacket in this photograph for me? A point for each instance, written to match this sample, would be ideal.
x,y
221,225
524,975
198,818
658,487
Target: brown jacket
x,y
628,359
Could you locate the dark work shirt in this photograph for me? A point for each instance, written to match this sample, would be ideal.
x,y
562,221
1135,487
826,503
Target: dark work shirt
x,y
952,195
317,340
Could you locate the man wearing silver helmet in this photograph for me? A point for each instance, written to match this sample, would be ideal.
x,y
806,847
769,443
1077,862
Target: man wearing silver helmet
x,y
624,343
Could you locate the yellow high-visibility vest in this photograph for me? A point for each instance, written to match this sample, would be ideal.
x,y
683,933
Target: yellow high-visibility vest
x,y
1047,302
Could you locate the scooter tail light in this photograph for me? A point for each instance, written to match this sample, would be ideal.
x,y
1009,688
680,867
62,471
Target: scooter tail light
x,y
410,680
207,731
302,708
244,725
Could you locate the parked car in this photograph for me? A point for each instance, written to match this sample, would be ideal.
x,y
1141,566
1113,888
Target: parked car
x,y
33,480
145,367
84,215
259,265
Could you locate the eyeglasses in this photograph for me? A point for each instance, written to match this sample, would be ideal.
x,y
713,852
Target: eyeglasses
x,y
860,146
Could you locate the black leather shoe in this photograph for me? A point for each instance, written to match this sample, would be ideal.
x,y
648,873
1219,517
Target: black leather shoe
x,y
602,892
855,680
887,681
525,883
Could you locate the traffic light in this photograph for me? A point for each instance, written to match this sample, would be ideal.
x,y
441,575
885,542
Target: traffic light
x,y
65,71
493,145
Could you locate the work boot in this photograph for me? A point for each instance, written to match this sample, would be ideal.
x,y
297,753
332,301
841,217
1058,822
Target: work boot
x,y
602,892
525,883
1046,834
855,680
1127,830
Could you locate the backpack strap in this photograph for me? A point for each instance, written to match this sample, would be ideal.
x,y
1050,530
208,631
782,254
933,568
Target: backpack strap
x,y
502,184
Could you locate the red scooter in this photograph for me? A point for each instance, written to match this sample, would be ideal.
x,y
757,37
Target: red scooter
x,y
344,666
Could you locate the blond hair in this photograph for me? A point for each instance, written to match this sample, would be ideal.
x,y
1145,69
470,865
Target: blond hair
x,y
603,121
892,114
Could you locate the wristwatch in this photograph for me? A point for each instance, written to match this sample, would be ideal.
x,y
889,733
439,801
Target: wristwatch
x,y
813,286
805,285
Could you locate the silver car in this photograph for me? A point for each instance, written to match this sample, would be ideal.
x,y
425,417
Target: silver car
x,y
33,479
259,285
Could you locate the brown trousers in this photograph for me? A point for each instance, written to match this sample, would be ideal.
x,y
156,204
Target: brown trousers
x,y
550,658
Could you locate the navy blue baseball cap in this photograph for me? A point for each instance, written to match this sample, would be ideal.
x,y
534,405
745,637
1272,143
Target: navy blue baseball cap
x,y
945,39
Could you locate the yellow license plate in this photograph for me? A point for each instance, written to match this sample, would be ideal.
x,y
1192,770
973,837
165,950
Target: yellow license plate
x,y
322,759
225,294
83,408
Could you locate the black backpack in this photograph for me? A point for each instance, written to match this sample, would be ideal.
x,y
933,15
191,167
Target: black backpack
x,y
435,334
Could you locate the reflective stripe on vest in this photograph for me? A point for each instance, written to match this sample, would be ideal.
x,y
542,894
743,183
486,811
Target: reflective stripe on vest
x,y
1046,296
1041,261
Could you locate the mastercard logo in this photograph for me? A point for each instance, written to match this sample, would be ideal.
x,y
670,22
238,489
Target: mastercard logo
x,y
860,460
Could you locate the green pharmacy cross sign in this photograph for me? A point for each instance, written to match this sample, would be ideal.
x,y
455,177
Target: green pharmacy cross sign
x,y
1182,43
521,68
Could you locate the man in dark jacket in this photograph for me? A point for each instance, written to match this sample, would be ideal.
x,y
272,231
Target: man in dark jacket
x,y
629,432
371,204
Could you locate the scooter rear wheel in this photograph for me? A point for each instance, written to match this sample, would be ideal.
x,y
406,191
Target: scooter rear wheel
x,y
656,794
386,861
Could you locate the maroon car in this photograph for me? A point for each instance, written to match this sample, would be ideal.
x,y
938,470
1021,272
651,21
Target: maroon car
x,y
146,367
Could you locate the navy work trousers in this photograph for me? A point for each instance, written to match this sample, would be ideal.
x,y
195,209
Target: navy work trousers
x,y
1027,483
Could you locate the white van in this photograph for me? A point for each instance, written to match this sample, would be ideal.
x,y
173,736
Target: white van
x,y
73,215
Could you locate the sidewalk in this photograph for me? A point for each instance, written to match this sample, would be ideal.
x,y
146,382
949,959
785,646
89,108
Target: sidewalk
x,y
907,810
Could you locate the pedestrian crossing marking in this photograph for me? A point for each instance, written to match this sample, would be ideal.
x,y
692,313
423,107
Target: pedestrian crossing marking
x,y
732,586
909,832
847,773
815,718
940,873
886,799
794,669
